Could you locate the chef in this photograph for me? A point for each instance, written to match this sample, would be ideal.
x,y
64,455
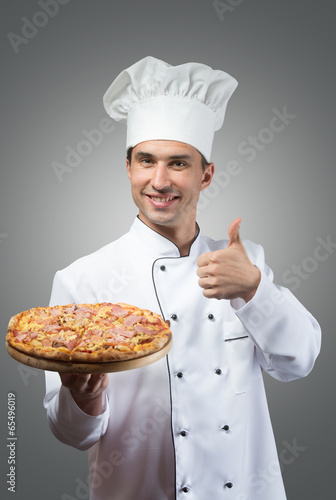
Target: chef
x,y
195,424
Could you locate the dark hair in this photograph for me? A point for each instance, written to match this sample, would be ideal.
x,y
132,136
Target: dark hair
x,y
129,154
203,160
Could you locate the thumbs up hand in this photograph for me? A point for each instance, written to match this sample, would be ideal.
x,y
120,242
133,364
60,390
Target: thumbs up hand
x,y
228,273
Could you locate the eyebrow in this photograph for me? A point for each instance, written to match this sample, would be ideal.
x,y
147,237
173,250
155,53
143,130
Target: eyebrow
x,y
172,157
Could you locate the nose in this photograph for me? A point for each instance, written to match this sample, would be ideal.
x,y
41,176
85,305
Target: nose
x,y
160,179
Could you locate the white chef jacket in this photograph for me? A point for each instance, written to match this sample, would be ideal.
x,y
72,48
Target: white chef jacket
x,y
194,425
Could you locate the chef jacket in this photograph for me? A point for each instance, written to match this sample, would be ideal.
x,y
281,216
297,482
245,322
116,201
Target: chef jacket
x,y
194,425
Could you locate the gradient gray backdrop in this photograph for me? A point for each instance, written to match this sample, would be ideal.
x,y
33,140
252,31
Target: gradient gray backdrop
x,y
282,54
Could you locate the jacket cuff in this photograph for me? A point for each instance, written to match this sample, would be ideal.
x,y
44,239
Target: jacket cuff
x,y
266,314
88,429
281,327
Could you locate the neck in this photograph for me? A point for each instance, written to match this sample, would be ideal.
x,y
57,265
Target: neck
x,y
182,237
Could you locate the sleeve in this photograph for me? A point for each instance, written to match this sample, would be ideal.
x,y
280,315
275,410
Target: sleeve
x,y
67,421
286,335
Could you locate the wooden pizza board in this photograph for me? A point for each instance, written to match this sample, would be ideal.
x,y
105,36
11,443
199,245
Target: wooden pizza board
x,y
73,367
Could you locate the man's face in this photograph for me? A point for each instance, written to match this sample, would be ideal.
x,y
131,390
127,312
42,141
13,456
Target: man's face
x,y
167,178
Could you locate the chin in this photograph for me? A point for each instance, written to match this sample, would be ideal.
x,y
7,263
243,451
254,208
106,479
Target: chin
x,y
160,220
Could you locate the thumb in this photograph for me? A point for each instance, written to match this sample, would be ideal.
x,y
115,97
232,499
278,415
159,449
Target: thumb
x,y
234,236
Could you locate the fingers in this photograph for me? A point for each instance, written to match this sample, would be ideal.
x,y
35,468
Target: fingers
x,y
97,383
207,282
85,384
74,381
234,236
228,273
203,260
211,293
202,272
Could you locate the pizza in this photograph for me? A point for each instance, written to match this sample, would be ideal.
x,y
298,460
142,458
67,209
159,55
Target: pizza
x,y
88,333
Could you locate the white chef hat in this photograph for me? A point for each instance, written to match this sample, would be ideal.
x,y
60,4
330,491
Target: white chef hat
x,y
183,103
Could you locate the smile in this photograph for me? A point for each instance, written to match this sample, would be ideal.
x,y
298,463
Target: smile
x,y
162,201
155,198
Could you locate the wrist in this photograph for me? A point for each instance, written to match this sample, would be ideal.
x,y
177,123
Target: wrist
x,y
248,295
92,405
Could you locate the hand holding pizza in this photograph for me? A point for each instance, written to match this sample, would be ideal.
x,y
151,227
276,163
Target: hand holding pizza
x,y
228,273
86,390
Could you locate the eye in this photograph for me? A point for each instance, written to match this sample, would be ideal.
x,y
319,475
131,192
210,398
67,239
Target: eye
x,y
146,161
179,164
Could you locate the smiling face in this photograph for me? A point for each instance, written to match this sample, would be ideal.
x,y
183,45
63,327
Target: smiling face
x,y
166,179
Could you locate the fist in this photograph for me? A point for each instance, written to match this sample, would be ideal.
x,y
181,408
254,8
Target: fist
x,y
85,385
228,273
86,390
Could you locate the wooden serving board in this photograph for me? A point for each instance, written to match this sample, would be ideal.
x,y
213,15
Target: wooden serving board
x,y
73,367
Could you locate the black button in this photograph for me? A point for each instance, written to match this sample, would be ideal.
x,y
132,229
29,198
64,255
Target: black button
x,y
185,489
163,268
174,316
179,374
229,485
184,433
218,371
225,427
210,316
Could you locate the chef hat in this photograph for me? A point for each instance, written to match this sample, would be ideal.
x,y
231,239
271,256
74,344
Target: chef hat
x,y
183,103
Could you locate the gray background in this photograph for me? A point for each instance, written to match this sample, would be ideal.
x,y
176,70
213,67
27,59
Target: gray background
x,y
282,55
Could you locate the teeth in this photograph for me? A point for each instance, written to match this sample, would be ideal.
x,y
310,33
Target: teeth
x,y
162,199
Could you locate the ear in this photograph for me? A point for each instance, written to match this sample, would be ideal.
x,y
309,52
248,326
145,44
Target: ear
x,y
207,176
128,166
